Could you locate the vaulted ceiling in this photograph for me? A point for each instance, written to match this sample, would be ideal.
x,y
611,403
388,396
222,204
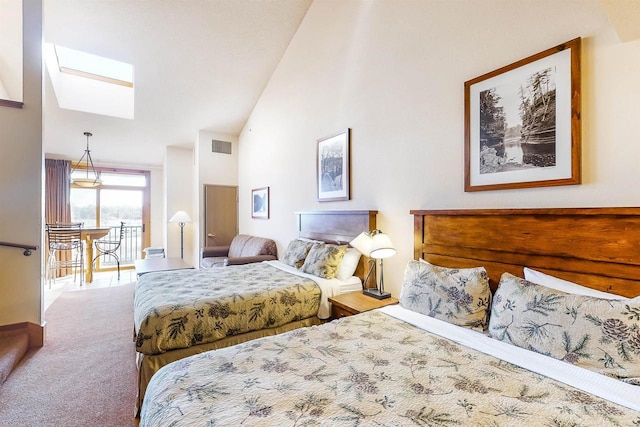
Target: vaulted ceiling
x,y
199,65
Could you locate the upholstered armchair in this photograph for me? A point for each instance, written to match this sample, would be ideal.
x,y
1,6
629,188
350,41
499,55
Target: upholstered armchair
x,y
243,249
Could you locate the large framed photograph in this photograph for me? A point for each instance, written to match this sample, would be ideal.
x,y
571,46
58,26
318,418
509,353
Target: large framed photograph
x,y
332,167
522,123
260,203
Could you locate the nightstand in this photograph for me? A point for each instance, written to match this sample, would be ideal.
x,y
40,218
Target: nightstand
x,y
351,303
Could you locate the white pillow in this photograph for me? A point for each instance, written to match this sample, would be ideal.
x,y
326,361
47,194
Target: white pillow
x,y
565,286
348,265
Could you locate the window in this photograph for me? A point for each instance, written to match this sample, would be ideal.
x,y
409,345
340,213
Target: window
x,y
90,83
95,67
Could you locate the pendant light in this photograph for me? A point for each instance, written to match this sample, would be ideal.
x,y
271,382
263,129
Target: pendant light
x,y
88,181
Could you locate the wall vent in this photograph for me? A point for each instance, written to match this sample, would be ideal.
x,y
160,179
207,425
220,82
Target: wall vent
x,y
223,147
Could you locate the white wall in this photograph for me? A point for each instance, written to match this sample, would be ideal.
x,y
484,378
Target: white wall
x,y
156,215
21,185
213,169
394,73
11,50
178,183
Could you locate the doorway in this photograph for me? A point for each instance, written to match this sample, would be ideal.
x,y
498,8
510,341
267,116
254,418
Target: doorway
x,y
221,214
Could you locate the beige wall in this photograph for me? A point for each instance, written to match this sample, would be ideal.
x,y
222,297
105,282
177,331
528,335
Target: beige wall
x,y
21,172
394,72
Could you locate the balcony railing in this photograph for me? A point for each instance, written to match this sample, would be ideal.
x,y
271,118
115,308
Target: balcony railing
x,y
130,247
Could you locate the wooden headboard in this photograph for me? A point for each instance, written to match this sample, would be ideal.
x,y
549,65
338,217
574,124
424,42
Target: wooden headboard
x,y
596,247
337,227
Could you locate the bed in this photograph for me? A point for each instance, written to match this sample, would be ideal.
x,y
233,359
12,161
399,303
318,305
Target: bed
x,y
398,366
183,312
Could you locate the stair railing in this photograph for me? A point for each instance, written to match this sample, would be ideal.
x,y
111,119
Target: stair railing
x,y
27,248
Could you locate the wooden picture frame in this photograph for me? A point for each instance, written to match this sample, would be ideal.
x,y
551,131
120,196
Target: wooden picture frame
x,y
522,123
332,167
260,203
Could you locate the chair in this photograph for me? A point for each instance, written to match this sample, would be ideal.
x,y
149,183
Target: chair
x,y
106,247
65,249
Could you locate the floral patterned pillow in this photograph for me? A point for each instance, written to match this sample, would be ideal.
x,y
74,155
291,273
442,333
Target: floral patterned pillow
x,y
323,260
456,295
597,334
296,252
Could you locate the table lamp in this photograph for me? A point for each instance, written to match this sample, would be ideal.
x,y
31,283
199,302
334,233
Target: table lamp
x,y
376,245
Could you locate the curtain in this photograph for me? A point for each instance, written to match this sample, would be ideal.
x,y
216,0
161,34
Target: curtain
x,y
57,191
57,204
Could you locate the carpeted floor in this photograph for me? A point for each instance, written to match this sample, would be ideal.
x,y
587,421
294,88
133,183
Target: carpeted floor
x,y
85,374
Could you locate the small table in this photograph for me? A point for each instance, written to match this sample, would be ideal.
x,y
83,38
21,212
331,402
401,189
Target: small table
x,y
150,265
351,303
89,235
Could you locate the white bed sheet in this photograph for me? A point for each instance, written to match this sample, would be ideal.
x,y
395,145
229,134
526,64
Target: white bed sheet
x,y
329,287
600,385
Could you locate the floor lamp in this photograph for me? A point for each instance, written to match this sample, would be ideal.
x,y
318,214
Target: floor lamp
x,y
181,217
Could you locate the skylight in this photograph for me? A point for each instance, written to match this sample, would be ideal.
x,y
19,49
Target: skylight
x,y
90,83
84,64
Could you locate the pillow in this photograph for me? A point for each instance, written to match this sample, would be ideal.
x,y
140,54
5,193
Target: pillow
x,y
323,260
306,239
296,253
456,295
601,335
565,286
348,265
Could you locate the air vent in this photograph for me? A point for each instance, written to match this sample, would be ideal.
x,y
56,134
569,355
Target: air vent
x,y
223,147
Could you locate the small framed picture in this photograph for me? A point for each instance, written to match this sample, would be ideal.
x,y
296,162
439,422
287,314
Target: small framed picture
x,y
332,167
260,203
522,123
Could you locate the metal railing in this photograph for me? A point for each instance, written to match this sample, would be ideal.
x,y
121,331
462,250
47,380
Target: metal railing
x,y
130,247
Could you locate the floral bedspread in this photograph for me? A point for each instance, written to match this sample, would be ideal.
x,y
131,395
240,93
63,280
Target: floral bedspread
x,y
181,308
368,369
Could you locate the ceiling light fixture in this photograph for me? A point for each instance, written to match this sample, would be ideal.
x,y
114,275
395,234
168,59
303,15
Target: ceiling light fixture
x,y
86,181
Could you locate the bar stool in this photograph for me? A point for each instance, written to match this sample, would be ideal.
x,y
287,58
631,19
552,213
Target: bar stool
x,y
65,249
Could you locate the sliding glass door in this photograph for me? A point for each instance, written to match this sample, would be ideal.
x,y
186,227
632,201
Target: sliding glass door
x,y
122,197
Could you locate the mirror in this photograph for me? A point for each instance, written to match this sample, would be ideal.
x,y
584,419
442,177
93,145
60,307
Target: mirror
x,y
11,53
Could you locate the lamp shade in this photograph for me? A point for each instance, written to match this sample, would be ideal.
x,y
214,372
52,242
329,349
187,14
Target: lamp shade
x,y
381,247
362,243
181,217
87,182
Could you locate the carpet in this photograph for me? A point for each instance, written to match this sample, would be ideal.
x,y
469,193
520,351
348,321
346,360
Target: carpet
x,y
85,374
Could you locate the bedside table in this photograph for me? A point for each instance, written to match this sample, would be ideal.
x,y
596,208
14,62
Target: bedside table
x,y
351,303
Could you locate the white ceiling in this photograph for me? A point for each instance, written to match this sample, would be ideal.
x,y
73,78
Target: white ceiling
x,y
199,65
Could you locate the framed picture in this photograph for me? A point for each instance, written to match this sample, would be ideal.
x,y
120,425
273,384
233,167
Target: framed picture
x,y
260,203
332,167
522,123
